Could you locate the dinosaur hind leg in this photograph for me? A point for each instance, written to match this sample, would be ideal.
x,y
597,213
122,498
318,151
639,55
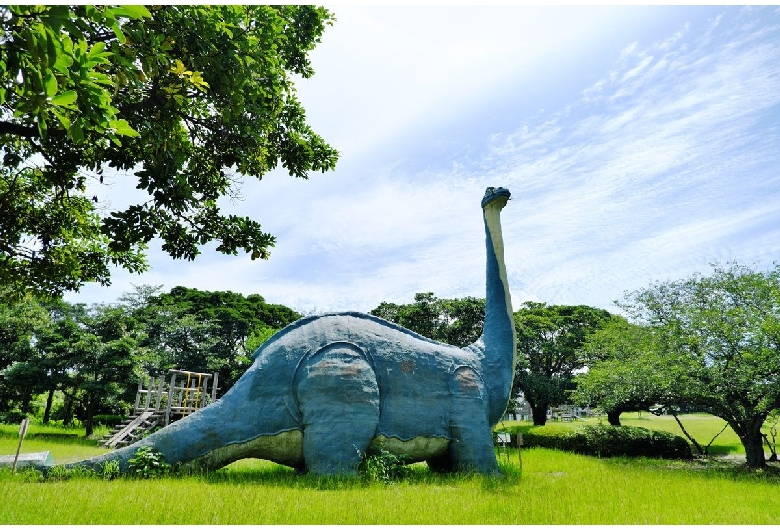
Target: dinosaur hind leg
x,y
471,448
338,398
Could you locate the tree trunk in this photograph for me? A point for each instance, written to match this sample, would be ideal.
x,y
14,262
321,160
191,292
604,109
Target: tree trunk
x,y
753,442
539,414
90,413
613,417
47,412
67,410
26,399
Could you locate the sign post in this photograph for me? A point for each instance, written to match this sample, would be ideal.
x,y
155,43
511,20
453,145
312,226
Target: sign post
x,y
519,446
22,434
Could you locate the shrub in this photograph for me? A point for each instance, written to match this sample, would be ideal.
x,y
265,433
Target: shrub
x,y
607,441
12,417
148,463
382,466
110,470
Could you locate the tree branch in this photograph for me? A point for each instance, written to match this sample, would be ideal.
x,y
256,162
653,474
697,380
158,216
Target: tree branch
x,y
29,132
17,129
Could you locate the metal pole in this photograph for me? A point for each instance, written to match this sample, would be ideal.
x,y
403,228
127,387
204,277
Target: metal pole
x,y
519,446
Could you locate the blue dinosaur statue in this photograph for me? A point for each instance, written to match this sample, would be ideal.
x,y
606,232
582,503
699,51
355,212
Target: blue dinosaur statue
x,y
325,390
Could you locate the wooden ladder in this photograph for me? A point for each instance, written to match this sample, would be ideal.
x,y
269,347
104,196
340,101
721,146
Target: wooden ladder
x,y
130,432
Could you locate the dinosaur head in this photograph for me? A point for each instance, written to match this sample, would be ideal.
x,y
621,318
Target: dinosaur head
x,y
495,194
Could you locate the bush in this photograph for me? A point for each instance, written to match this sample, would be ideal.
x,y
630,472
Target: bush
x,y
148,463
383,466
607,441
12,417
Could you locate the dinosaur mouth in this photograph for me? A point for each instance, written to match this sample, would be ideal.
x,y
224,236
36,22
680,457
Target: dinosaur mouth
x,y
492,194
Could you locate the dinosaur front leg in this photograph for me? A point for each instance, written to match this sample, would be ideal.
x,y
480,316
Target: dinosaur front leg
x,y
471,447
338,399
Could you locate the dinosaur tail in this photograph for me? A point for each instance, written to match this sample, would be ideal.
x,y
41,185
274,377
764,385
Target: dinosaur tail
x,y
234,427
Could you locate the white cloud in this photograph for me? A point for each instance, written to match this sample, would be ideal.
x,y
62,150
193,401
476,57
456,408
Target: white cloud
x,y
646,166
637,69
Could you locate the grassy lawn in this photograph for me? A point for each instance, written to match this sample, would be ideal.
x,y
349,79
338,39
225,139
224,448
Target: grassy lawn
x,y
541,486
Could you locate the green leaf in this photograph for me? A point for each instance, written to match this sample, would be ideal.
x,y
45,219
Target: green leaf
x,y
96,50
66,98
132,11
76,132
51,84
41,127
64,120
51,49
118,32
123,128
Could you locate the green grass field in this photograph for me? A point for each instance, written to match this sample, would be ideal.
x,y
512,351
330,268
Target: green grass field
x,y
540,487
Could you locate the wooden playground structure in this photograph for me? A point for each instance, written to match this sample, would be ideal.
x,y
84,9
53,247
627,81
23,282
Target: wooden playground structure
x,y
158,404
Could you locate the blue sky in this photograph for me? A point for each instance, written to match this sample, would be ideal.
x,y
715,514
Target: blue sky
x,y
639,144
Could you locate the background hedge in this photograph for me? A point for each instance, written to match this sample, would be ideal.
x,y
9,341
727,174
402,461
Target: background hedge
x,y
604,440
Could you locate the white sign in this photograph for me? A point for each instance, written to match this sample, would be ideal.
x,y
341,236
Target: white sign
x,y
22,432
23,427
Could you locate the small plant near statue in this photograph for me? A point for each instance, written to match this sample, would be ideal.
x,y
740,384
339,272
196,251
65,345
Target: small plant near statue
x,y
148,463
383,466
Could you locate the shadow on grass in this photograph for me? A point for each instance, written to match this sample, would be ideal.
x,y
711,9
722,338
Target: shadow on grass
x,y
716,468
726,449
269,474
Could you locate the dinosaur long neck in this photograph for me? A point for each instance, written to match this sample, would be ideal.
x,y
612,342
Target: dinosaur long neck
x,y
499,330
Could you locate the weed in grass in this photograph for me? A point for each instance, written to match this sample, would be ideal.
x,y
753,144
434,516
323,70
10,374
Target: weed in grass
x,y
58,474
24,474
110,470
148,463
383,466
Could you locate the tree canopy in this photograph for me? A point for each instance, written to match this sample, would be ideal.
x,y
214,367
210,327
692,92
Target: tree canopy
x,y
183,99
722,332
627,372
205,331
456,321
548,342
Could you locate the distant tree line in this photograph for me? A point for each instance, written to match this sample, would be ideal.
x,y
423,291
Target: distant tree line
x,y
90,357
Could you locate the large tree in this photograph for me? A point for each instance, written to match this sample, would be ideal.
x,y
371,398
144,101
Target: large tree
x,y
548,342
87,352
627,371
723,332
204,331
184,100
456,321
104,360
20,323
